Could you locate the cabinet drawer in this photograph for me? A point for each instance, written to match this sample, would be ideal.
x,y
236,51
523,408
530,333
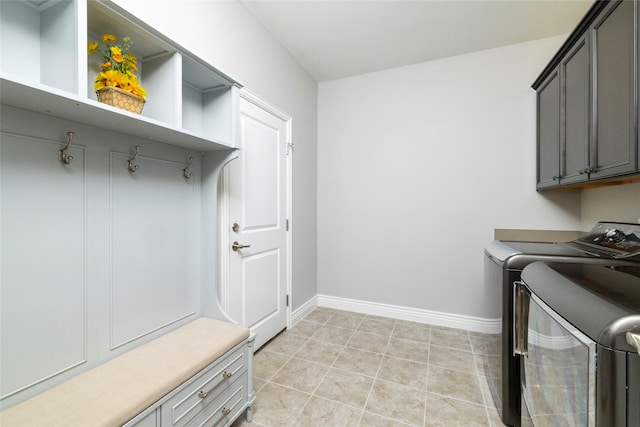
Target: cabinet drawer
x,y
204,390
225,406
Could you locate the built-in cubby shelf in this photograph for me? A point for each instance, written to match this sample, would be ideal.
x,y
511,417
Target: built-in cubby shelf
x,y
39,42
45,68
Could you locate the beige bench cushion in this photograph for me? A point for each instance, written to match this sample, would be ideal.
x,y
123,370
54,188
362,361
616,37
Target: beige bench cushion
x,y
113,393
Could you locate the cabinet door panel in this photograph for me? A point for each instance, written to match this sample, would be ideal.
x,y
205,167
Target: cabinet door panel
x,y
549,132
614,150
575,126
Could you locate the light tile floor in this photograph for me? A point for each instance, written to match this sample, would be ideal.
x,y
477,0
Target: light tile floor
x,y
337,368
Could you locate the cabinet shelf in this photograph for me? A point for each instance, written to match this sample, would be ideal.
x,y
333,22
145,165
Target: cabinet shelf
x,y
64,105
36,34
189,103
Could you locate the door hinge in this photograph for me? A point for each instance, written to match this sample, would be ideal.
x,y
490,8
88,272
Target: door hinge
x,y
287,224
287,300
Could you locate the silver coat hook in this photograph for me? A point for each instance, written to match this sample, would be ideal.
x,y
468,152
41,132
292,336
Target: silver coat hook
x,y
185,171
130,165
62,154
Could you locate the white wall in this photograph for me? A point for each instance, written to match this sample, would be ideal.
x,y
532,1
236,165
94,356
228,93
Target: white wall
x,y
418,165
616,203
226,35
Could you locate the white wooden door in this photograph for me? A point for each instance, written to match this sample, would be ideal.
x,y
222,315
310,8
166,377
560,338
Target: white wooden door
x,y
258,204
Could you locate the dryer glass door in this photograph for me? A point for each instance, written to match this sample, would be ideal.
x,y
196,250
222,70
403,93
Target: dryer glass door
x,y
558,384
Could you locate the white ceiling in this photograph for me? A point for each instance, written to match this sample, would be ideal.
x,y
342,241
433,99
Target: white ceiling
x,y
335,39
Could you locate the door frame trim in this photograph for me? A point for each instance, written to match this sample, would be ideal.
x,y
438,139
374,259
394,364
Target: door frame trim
x,y
223,207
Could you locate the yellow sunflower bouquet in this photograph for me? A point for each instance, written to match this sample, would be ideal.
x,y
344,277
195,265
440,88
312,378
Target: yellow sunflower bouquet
x,y
118,66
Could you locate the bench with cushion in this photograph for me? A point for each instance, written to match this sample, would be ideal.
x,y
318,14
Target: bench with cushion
x,y
199,374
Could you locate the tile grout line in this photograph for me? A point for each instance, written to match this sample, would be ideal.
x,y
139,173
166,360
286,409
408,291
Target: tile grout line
x,y
376,375
477,370
375,378
364,406
296,352
307,339
476,359
426,386
344,347
313,393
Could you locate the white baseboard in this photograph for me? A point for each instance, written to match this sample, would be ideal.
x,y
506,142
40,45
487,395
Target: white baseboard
x,y
476,324
306,308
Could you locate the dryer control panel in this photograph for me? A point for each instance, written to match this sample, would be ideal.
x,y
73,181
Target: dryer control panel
x,y
611,240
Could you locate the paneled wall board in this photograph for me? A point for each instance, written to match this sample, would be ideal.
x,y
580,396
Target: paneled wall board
x,y
43,287
95,260
152,229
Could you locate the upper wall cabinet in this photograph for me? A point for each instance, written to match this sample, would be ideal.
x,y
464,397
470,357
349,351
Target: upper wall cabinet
x,y
614,142
548,103
596,131
575,114
637,54
45,68
563,114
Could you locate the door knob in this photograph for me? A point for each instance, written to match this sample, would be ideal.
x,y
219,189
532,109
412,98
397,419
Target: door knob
x,y
235,246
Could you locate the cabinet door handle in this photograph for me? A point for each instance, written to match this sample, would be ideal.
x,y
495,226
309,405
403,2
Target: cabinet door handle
x,y
226,411
203,394
585,170
226,374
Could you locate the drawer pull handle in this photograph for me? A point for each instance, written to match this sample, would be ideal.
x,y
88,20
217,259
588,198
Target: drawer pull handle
x,y
226,411
203,394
